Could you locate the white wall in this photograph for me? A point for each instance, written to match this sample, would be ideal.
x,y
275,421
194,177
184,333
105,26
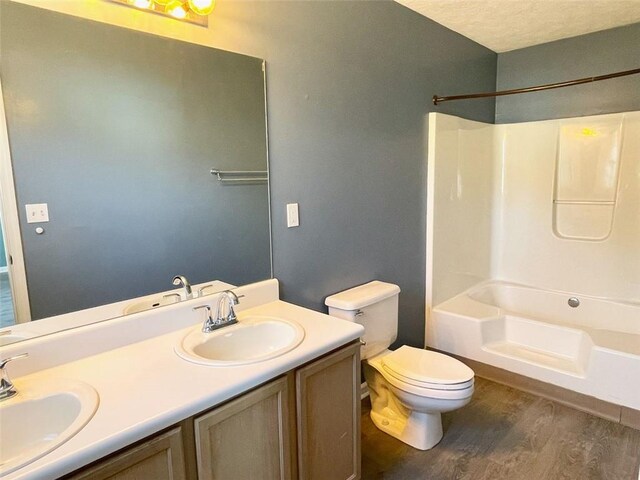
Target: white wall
x,y
459,212
526,249
490,211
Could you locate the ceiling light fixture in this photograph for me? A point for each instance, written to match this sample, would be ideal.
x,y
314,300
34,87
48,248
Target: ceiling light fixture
x,y
202,7
193,11
176,9
141,3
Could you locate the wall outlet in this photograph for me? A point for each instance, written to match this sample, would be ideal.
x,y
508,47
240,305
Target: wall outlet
x,y
293,219
37,212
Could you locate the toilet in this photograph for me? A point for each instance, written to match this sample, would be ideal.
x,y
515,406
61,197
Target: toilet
x,y
409,387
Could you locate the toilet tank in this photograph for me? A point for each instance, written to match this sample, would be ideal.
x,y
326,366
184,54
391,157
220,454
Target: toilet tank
x,y
373,305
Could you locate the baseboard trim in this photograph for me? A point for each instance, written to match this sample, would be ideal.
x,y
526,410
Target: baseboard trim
x,y
600,408
630,418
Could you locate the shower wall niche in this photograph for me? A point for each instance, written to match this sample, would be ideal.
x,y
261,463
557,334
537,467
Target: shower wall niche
x,y
586,178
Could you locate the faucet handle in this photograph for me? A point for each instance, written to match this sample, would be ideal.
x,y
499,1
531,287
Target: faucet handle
x,y
209,321
4,361
203,288
7,390
233,298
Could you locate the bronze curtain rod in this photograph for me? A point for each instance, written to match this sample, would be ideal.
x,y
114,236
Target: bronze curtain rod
x,y
548,86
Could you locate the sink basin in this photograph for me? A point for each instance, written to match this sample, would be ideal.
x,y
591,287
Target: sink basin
x,y
151,303
253,339
41,418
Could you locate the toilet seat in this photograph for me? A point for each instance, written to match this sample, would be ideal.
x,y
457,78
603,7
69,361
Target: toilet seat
x,y
426,369
430,386
424,391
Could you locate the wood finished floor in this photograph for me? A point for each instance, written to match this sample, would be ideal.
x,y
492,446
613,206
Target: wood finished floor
x,y
506,434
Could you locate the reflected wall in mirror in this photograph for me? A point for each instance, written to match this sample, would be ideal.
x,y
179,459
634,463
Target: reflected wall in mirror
x,y
117,131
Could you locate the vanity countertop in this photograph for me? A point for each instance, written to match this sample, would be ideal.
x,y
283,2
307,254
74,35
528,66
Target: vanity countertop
x,y
145,386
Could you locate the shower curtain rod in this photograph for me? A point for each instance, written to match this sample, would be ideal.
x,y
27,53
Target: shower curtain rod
x,y
548,86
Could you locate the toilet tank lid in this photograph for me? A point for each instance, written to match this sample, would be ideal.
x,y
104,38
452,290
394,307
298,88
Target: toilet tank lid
x,y
362,296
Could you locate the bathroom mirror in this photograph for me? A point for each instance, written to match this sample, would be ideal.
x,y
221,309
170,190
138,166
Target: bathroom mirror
x,y
116,131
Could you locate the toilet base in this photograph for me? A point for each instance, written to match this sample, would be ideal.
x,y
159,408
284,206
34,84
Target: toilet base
x,y
420,430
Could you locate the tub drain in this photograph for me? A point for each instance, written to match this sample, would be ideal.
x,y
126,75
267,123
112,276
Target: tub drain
x,y
574,302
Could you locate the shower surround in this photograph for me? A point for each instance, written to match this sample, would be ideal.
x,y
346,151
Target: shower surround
x,y
533,249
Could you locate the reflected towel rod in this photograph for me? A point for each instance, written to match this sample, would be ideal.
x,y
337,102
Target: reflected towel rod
x,y
240,176
538,88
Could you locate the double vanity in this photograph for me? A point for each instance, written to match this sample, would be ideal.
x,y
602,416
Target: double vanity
x,y
150,395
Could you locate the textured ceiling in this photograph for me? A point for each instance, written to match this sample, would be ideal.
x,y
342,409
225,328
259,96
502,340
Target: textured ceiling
x,y
504,25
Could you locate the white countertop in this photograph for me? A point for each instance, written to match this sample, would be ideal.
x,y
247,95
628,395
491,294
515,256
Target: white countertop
x,y
95,314
145,387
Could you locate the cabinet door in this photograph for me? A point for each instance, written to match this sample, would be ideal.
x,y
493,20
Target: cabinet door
x,y
248,438
160,458
328,416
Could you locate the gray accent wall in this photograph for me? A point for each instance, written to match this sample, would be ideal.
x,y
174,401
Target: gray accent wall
x,y
588,55
349,87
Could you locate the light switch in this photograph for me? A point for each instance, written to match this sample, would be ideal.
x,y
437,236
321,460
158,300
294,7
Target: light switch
x,y
293,219
37,212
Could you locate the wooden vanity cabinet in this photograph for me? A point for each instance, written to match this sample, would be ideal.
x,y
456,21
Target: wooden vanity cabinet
x,y
273,434
305,424
160,457
249,437
328,416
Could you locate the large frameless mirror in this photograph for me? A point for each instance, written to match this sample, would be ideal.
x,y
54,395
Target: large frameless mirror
x,y
112,135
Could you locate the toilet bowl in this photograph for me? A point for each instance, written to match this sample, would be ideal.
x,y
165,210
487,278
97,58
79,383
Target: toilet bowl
x,y
410,387
407,404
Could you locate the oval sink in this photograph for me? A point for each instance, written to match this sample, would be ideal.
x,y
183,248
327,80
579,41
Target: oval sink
x,y
41,418
252,339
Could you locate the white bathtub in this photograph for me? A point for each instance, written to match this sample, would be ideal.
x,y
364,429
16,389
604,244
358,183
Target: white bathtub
x,y
593,348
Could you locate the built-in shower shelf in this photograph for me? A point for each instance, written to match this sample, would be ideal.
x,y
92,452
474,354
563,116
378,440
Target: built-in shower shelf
x,y
586,180
584,202
544,359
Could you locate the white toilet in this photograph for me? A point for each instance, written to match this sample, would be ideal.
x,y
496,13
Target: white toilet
x,y
409,387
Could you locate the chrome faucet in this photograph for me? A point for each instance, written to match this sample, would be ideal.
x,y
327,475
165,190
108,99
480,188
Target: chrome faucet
x,y
232,299
7,389
182,280
210,324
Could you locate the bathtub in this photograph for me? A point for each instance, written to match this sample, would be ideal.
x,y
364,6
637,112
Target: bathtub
x,y
586,344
